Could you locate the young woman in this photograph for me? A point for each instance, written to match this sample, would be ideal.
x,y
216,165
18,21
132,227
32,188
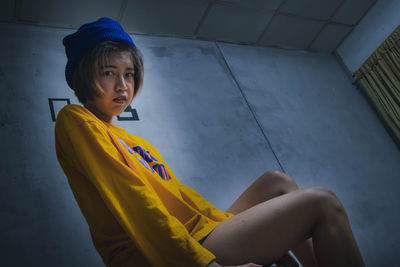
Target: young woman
x,y
138,212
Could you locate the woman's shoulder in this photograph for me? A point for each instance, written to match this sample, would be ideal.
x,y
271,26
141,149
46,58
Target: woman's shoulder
x,y
73,117
73,111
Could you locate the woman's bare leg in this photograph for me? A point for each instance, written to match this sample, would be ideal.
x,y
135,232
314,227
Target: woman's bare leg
x,y
268,230
270,185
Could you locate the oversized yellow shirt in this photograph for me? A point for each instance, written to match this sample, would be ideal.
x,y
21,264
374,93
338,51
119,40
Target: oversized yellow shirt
x,y
138,213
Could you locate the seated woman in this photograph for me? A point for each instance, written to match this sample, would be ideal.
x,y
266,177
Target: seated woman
x,y
138,212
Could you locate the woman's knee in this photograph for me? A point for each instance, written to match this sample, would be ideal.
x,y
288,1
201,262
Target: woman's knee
x,y
325,200
280,182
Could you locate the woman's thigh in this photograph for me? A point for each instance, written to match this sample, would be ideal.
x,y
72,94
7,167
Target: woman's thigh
x,y
269,185
265,232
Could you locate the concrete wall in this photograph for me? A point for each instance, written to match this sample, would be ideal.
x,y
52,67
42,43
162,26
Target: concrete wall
x,y
373,29
220,115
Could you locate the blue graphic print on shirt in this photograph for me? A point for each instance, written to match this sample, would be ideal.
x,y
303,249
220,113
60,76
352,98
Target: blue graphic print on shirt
x,y
147,158
145,154
159,168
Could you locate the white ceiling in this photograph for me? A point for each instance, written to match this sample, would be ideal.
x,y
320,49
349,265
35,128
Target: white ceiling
x,y
314,25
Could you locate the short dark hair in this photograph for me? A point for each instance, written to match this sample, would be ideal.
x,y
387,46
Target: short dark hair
x,y
83,82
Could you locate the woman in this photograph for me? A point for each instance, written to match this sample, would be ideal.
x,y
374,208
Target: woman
x,y
138,212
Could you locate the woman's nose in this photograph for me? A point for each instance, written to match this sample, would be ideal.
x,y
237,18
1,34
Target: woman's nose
x,y
121,83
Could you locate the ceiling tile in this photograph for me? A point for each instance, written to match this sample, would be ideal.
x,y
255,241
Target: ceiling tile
x,y
7,10
71,13
175,17
255,4
318,9
291,32
330,37
234,23
352,11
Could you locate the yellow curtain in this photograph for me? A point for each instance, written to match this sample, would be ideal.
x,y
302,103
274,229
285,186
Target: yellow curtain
x,y
379,76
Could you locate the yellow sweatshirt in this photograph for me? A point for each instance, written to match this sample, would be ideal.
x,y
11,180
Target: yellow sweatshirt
x,y
138,213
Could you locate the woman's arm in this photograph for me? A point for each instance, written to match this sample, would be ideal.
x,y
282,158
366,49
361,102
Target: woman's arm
x,y
215,264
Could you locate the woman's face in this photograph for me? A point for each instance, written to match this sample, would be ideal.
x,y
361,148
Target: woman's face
x,y
116,79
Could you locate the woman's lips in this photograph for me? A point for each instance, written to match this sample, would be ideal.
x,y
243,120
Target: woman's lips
x,y
120,100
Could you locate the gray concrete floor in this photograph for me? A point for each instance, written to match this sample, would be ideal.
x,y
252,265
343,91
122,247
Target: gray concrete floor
x,y
220,114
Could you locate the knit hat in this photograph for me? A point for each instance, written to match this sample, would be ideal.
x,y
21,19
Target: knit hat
x,y
86,37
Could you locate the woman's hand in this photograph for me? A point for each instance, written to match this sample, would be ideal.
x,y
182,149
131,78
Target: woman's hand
x,y
215,264
249,265
287,261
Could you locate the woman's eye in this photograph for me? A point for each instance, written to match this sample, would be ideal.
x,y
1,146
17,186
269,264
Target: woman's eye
x,y
108,73
130,74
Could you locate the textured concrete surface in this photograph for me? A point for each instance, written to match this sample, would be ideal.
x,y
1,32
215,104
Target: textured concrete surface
x,y
314,25
220,115
368,35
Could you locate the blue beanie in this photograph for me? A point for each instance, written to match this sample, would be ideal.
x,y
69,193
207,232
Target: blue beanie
x,y
86,37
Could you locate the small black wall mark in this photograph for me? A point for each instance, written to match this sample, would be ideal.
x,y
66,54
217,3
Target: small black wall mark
x,y
51,105
134,116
